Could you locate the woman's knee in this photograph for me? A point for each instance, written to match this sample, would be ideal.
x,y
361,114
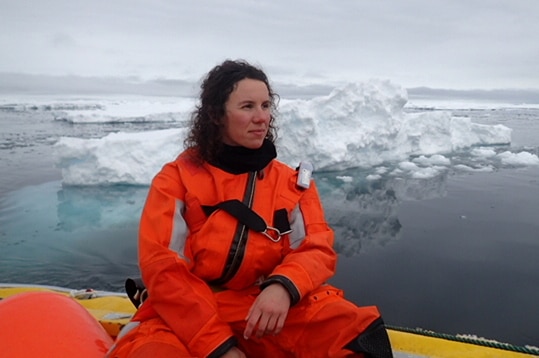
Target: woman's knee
x,y
147,339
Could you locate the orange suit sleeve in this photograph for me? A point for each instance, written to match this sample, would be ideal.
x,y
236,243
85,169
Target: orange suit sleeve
x,y
310,260
184,301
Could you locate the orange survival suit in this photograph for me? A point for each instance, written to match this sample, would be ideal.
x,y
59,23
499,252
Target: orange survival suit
x,y
203,268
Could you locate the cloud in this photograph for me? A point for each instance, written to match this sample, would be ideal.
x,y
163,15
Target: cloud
x,y
63,40
455,44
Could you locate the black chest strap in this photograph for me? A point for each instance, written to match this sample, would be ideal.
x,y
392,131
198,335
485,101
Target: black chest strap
x,y
246,216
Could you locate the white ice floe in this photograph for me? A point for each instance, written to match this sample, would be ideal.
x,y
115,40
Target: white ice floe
x,y
357,125
518,159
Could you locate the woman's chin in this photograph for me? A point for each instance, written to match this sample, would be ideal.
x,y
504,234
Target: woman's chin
x,y
254,144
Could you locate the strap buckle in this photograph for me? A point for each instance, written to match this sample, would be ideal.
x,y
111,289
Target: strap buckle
x,y
277,232
252,220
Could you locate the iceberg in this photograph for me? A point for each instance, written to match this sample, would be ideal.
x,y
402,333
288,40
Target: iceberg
x,y
357,125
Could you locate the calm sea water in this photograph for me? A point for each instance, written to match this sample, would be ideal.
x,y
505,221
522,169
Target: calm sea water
x,y
455,254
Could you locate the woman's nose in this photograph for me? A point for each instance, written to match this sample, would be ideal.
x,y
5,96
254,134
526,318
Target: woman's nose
x,y
262,114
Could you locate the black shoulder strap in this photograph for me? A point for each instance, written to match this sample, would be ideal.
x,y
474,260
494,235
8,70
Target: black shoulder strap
x,y
240,211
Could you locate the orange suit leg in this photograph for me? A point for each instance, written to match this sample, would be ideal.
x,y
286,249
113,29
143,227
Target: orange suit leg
x,y
320,325
151,338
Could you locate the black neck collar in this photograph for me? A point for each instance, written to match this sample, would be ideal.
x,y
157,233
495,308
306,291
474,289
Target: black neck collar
x,y
238,160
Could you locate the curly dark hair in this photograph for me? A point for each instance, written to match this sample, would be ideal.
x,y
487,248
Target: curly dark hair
x,y
205,135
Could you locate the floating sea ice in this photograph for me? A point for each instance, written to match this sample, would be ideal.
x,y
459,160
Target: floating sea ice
x,y
518,159
359,125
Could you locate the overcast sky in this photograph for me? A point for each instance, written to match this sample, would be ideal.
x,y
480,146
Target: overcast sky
x,y
438,43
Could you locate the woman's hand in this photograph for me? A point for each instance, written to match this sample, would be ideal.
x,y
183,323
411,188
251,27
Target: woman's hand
x,y
268,312
234,352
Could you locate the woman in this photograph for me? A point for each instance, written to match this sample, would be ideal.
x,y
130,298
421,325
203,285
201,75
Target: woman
x,y
234,251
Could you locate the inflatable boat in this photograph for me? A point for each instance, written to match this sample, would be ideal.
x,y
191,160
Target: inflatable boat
x,y
45,321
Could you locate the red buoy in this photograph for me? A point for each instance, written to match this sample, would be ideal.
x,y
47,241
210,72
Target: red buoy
x,y
47,324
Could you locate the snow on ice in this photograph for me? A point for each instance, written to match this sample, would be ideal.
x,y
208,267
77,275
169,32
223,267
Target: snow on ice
x,y
358,125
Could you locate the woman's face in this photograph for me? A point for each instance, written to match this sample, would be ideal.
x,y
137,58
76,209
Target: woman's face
x,y
247,114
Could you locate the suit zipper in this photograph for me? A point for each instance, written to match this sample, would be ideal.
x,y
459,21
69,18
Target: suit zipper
x,y
237,249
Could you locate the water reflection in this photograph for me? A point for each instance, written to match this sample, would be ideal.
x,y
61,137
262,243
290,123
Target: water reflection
x,y
94,229
364,211
99,207
66,236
